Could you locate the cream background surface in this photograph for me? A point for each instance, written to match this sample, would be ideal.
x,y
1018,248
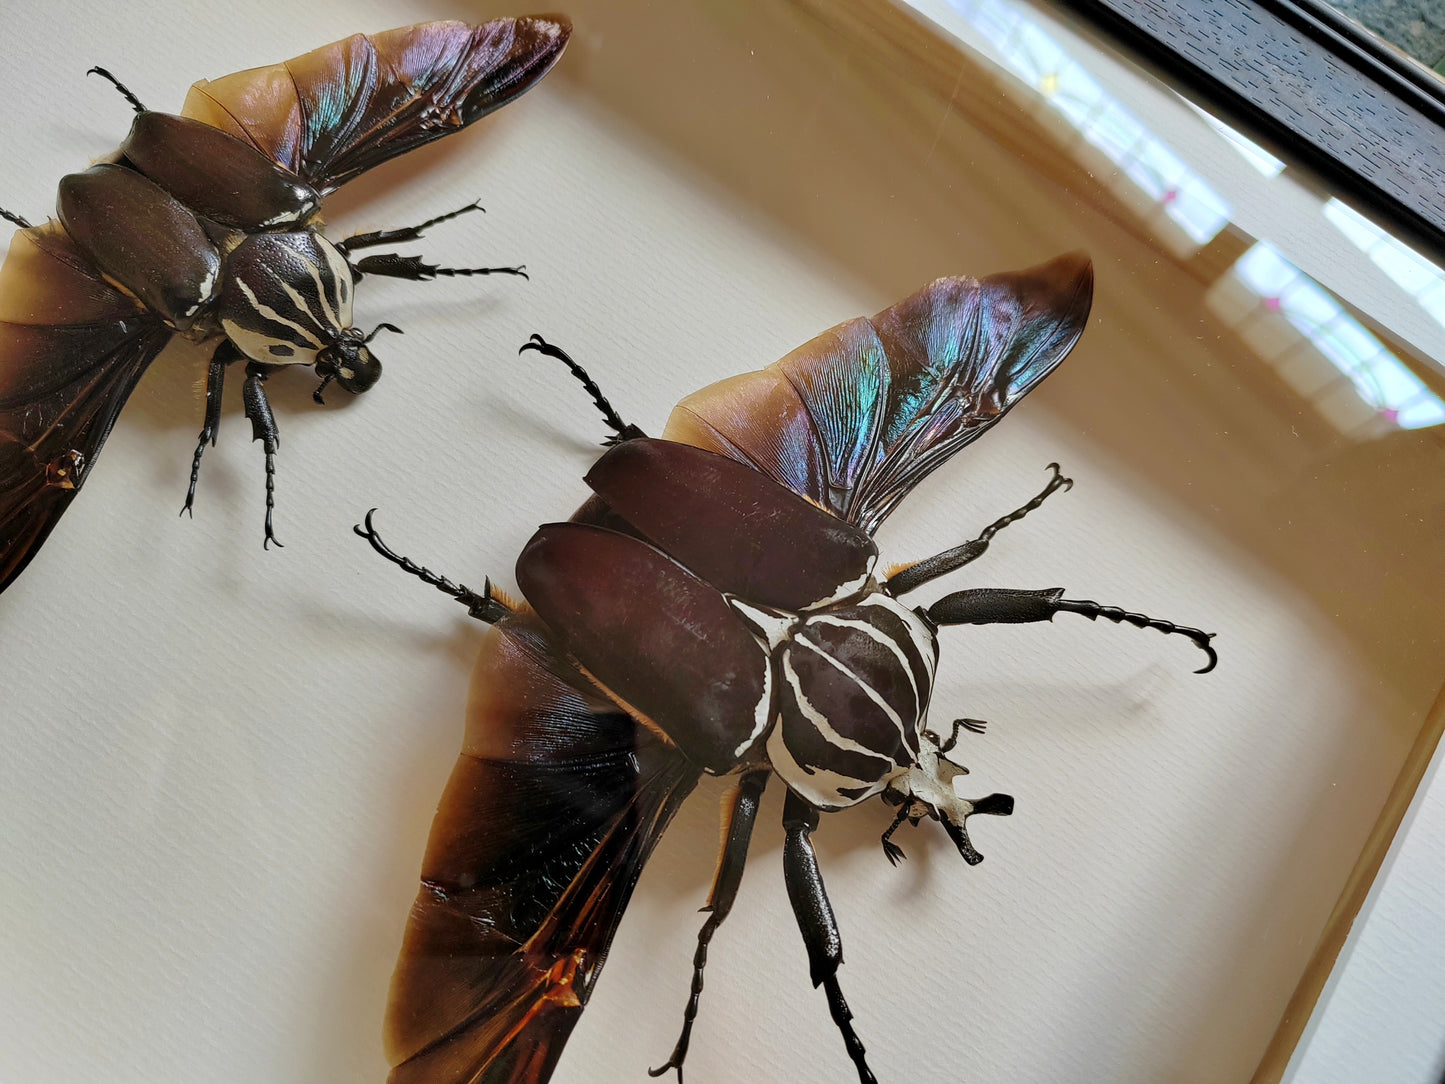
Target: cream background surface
x,y
220,763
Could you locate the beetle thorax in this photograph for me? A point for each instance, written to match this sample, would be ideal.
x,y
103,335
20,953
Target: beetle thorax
x,y
285,297
853,683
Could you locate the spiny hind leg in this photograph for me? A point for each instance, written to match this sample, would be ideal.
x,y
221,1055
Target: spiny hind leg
x,y
817,923
222,356
741,816
484,606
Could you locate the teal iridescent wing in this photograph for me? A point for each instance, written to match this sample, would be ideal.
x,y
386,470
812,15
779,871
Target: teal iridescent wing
x,y
335,112
860,415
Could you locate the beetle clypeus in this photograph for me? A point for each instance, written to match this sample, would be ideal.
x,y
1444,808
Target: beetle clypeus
x,y
206,225
716,607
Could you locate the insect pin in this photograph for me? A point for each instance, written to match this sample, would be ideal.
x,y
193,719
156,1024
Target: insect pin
x,y
716,606
206,225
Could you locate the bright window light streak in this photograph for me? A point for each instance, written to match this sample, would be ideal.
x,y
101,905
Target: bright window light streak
x,y
1380,378
1266,163
1099,117
1413,273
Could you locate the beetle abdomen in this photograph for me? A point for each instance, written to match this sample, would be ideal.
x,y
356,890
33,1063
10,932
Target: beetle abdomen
x,y
285,296
853,688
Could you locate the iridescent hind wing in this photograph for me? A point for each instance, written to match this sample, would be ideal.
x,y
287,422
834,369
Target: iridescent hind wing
x,y
337,111
857,417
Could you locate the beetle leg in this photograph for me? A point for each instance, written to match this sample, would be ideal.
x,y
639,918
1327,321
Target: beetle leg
x,y
816,921
405,233
997,605
621,430
729,875
263,428
930,568
394,265
484,607
894,852
221,357
11,216
975,726
135,103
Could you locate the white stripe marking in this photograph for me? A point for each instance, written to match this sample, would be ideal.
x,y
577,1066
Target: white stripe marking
x,y
820,721
271,314
821,788
868,690
763,712
876,634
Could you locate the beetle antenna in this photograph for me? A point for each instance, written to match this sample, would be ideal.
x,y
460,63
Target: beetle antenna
x,y
919,573
484,607
135,102
621,430
383,326
973,726
11,216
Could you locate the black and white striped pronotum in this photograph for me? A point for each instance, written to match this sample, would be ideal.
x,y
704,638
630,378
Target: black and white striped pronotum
x,y
206,225
717,607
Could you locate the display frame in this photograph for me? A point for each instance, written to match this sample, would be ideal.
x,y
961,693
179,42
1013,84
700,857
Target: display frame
x,y
847,39
1315,86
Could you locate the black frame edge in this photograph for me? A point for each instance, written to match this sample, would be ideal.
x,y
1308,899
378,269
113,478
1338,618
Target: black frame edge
x,y
1321,91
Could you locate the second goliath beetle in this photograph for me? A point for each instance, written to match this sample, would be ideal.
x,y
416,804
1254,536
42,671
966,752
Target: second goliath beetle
x,y
207,225
717,607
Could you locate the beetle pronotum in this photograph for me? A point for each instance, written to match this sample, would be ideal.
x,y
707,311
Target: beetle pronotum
x,y
206,225
716,606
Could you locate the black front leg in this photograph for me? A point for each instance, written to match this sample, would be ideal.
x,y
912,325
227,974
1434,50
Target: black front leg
x,y
741,816
930,568
816,922
405,233
263,428
621,430
1008,606
222,356
395,265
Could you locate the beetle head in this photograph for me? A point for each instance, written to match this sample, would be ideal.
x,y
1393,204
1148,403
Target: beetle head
x,y
929,790
349,361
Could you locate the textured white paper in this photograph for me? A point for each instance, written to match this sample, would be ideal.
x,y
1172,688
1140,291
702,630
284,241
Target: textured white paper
x,y
220,764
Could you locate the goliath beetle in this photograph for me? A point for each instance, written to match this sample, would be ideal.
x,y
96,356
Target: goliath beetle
x,y
206,225
716,607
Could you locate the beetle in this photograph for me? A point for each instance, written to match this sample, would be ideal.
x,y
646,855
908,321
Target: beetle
x,y
716,606
207,225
